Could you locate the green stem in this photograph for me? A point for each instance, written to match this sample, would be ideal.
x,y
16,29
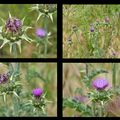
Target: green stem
x,y
39,51
86,67
14,47
93,109
114,75
46,39
101,110
77,37
46,46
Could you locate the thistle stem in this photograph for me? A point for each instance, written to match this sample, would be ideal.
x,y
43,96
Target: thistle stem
x,y
114,75
14,47
77,37
93,109
46,40
86,68
101,109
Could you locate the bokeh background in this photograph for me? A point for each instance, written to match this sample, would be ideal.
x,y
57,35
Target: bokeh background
x,y
29,50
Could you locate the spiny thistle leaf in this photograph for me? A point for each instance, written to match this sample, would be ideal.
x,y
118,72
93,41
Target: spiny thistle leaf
x,y
1,30
25,28
4,42
19,45
40,14
10,16
16,94
11,45
51,16
2,20
23,20
25,37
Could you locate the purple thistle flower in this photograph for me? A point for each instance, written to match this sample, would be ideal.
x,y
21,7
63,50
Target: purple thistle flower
x,y
13,24
82,99
40,32
17,23
100,83
37,92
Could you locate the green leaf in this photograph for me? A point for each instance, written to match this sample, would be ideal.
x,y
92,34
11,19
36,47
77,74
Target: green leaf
x,y
10,15
51,16
25,28
25,37
2,20
5,41
1,32
16,94
40,14
23,20
19,45
11,45
4,97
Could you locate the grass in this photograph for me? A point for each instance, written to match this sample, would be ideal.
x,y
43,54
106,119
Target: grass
x,y
102,43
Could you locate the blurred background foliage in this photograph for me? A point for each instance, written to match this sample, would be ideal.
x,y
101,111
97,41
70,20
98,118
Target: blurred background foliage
x,y
34,75
29,49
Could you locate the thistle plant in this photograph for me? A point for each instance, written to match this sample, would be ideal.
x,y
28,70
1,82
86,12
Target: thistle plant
x,y
38,102
94,99
13,32
46,11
